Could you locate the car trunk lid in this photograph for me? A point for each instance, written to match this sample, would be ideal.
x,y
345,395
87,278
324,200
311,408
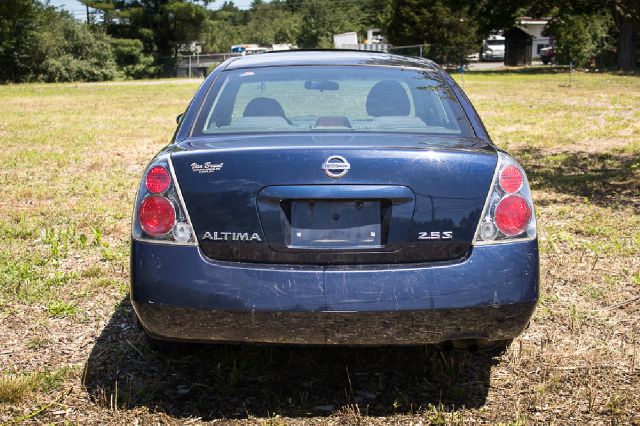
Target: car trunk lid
x,y
272,199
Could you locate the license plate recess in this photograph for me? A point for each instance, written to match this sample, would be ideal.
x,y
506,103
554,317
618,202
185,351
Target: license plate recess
x,y
335,224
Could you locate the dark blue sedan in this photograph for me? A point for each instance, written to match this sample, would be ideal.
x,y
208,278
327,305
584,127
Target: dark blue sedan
x,y
333,197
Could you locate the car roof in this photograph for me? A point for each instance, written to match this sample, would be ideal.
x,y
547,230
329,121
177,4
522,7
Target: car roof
x,y
329,57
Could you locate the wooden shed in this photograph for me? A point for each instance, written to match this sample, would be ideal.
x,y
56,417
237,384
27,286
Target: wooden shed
x,y
517,47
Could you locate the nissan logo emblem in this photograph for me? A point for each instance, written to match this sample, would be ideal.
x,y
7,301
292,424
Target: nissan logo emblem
x,y
336,166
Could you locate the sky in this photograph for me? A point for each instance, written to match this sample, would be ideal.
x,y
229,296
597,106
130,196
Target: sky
x,y
79,11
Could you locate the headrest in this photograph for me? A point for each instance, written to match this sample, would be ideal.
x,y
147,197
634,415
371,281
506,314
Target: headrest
x,y
388,98
263,107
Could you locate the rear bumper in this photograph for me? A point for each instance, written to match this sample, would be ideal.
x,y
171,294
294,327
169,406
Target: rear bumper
x,y
179,294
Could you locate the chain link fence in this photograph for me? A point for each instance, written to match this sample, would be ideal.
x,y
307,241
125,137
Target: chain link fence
x,y
200,65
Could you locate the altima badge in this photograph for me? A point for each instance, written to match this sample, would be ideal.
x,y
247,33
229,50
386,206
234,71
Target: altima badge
x,y
231,236
336,166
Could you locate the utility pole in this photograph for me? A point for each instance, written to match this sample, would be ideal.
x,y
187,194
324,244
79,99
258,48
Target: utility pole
x,y
87,13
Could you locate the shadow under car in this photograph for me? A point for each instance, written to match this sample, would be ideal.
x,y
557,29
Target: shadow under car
x,y
237,381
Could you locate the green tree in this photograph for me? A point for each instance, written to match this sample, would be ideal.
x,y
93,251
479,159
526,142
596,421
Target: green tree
x,y
18,38
626,15
495,14
446,26
581,37
226,27
70,51
270,24
319,24
321,19
40,43
131,60
162,25
308,23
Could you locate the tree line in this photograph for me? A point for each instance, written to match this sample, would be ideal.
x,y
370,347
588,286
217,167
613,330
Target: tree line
x,y
142,38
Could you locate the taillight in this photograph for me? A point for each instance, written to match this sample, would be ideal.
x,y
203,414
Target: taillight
x,y
512,215
508,213
157,180
157,215
510,179
160,215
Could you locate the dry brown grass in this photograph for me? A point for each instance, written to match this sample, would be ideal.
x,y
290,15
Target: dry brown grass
x,y
14,389
71,157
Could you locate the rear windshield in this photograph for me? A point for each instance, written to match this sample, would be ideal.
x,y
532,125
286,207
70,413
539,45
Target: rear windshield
x,y
324,98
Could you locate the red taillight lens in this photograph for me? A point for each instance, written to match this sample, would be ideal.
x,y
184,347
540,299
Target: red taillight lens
x,y
510,179
158,180
512,215
156,215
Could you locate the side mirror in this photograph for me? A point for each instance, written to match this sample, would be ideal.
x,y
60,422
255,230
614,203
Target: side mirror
x,y
179,118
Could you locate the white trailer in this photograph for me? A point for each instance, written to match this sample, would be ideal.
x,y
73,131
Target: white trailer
x,y
345,40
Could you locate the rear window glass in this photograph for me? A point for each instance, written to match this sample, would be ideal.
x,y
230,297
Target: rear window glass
x,y
324,98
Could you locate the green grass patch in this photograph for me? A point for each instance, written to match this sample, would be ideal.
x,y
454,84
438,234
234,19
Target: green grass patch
x,y
93,271
59,309
541,110
18,387
38,342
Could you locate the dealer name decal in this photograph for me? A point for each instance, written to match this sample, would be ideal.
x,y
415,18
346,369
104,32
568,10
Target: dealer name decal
x,y
207,167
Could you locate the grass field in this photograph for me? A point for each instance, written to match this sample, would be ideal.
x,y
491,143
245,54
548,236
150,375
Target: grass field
x,y
70,159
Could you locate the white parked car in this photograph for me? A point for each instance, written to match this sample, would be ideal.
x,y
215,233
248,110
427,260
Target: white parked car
x,y
493,48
